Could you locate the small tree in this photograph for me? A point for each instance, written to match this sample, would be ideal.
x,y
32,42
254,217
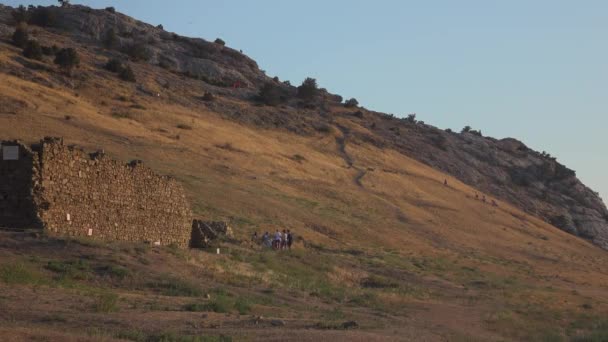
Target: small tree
x,y
33,50
110,40
127,74
308,90
20,37
466,129
270,94
64,3
220,41
114,65
138,52
67,59
411,118
351,103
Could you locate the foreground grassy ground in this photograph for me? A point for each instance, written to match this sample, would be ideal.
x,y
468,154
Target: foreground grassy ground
x,y
381,240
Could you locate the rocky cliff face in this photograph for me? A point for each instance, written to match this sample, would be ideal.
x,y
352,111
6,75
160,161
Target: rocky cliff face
x,y
214,63
509,170
505,168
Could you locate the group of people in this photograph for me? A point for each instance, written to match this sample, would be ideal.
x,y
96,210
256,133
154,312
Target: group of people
x,y
280,240
484,200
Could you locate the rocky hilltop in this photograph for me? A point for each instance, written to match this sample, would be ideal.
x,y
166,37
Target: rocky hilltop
x,y
506,169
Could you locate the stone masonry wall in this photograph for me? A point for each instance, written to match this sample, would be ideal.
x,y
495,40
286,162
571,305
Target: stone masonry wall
x,y
93,195
17,208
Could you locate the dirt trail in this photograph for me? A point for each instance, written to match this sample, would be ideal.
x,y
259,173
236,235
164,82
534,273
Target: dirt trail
x,y
347,158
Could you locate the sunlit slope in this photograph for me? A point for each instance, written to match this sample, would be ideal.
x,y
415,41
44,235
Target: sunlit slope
x,y
461,263
265,180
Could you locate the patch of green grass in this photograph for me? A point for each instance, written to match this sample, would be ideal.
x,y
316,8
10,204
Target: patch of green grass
x,y
379,282
139,336
20,274
170,286
121,115
106,302
221,303
76,270
242,305
114,271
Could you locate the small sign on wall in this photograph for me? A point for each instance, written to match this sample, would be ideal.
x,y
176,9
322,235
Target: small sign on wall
x,y
10,152
90,232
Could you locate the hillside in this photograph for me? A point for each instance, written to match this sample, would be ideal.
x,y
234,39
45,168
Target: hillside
x,y
381,239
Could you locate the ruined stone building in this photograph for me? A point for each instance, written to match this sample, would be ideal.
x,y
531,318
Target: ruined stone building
x,y
68,192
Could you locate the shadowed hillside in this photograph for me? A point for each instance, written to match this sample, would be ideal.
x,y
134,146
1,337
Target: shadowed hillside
x,y
381,239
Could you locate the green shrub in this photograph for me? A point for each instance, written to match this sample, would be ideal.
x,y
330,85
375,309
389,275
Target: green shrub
x,y
138,52
270,94
33,50
20,37
79,270
308,90
67,58
220,41
114,65
106,302
127,74
221,304
351,103
110,39
170,286
115,271
242,305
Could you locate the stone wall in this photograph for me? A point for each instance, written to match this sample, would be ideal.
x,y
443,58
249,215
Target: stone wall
x,y
82,194
17,208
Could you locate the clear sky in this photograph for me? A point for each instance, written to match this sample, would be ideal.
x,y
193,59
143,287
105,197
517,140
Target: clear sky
x,y
536,70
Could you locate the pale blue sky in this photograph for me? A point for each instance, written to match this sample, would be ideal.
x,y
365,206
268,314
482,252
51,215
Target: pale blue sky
x,y
536,70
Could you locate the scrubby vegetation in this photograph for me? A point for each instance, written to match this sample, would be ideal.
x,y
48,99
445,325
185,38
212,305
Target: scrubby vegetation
x,y
20,37
110,39
270,94
308,90
33,50
123,70
127,74
351,103
138,52
41,16
208,97
34,15
67,59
